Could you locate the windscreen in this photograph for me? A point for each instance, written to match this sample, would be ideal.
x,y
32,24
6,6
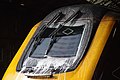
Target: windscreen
x,y
62,37
65,42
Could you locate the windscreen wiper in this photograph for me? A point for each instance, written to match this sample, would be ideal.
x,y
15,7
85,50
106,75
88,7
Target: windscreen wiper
x,y
74,16
38,39
54,19
38,36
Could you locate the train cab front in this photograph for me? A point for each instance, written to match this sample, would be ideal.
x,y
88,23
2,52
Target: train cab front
x,y
65,45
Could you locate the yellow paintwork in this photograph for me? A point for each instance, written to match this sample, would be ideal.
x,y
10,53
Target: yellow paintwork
x,y
87,66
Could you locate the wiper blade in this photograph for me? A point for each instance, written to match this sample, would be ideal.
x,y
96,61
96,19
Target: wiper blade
x,y
73,16
78,15
59,18
54,33
39,40
55,18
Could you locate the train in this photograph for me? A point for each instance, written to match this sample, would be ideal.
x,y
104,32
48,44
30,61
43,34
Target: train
x,y
66,45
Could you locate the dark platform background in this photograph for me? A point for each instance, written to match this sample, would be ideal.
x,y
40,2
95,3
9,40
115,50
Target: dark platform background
x,y
17,17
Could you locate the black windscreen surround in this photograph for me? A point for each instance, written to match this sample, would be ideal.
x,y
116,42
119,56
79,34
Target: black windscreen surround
x,y
67,41
75,25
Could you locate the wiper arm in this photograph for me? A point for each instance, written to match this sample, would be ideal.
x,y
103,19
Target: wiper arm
x,y
55,18
76,17
54,33
73,16
39,40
